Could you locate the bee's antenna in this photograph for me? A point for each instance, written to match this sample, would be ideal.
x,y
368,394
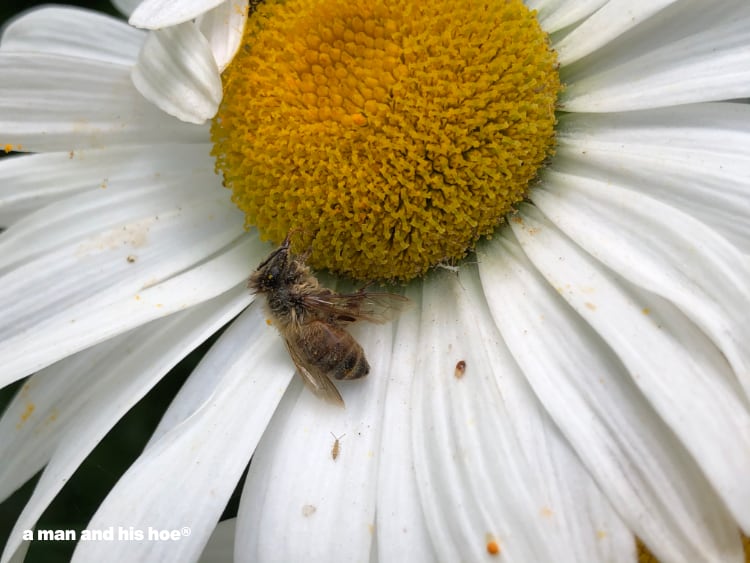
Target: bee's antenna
x,y
286,243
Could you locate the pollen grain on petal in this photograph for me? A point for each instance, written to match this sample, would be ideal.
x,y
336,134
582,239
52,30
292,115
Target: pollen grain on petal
x,y
493,546
26,414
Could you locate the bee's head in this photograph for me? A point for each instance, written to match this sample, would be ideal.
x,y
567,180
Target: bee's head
x,y
272,272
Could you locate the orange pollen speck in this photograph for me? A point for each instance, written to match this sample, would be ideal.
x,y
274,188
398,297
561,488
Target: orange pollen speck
x,y
30,407
26,414
493,548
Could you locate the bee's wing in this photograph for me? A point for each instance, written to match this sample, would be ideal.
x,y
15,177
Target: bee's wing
x,y
360,306
314,379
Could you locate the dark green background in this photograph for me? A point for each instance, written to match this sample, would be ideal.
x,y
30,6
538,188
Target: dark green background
x,y
9,8
77,502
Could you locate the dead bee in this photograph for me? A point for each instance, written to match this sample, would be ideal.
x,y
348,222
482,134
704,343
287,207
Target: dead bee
x,y
312,318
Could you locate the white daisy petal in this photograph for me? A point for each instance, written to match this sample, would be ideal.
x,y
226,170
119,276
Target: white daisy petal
x,y
662,250
586,381
401,529
101,301
20,555
682,374
126,7
557,14
61,174
675,57
52,102
39,414
609,22
156,14
122,211
220,546
73,32
201,384
226,426
223,27
479,435
636,460
296,489
177,72
129,236
691,157
106,383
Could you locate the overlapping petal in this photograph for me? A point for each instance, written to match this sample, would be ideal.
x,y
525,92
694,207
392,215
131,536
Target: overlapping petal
x,y
662,250
52,102
226,427
296,489
146,265
77,401
402,533
157,14
177,72
606,24
223,27
126,7
490,464
679,370
555,15
693,158
60,175
73,32
635,458
691,51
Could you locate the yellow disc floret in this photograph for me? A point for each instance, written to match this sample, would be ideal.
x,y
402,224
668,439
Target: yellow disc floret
x,y
393,134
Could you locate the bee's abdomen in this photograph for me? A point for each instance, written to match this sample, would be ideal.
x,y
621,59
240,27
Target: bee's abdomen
x,y
334,351
353,364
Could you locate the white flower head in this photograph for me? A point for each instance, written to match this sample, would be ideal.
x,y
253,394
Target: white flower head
x,y
581,380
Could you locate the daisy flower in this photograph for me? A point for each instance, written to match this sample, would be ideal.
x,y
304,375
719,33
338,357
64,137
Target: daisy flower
x,y
579,381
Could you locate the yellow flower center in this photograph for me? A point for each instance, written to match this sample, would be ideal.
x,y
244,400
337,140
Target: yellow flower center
x,y
392,134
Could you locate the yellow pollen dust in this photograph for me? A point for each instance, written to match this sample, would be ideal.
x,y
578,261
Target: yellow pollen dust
x,y
26,414
392,134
